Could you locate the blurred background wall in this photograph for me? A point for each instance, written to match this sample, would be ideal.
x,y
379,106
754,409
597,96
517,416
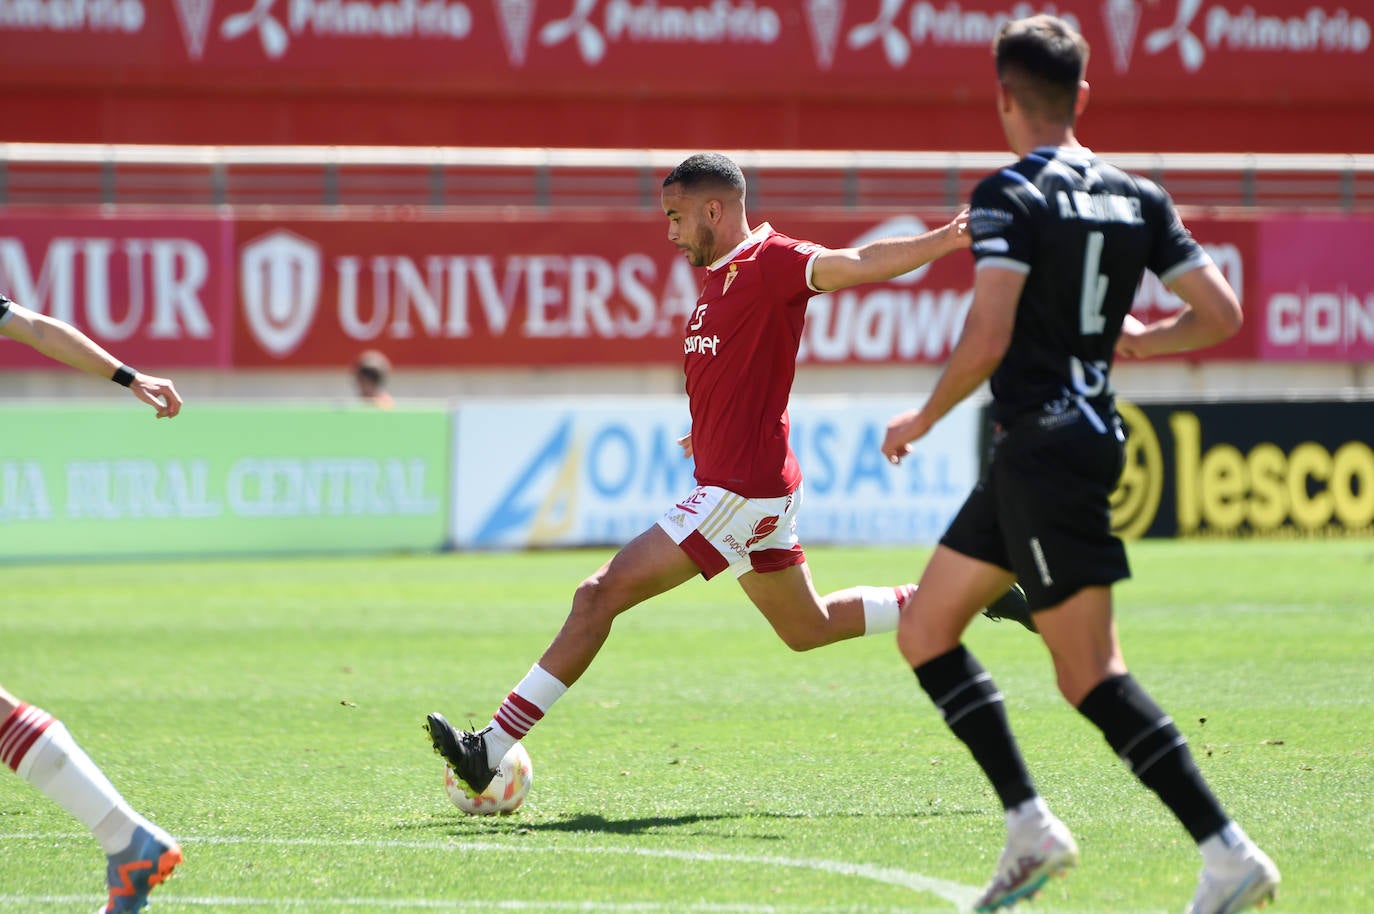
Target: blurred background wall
x,y
247,194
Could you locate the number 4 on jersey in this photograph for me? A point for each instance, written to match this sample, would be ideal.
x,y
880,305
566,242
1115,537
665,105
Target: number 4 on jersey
x,y
1091,319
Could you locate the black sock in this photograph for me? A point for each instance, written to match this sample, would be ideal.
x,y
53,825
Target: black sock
x,y
972,707
1145,737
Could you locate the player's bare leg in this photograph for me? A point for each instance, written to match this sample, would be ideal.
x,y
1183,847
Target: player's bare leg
x,y
1081,636
648,565
953,590
804,619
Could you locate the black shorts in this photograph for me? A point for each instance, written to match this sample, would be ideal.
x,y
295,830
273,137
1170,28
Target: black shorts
x,y
1042,508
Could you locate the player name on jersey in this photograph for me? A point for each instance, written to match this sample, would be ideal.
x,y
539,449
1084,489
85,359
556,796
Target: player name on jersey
x,y
1099,207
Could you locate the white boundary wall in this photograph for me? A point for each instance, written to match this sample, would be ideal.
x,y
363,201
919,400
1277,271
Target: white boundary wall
x,y
1140,381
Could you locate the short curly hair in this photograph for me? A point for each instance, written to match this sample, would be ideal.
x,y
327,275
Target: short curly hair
x,y
706,169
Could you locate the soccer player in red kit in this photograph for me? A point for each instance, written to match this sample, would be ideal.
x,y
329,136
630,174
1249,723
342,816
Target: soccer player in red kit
x,y
739,354
36,745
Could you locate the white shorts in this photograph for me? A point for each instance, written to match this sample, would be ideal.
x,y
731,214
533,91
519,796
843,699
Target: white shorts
x,y
719,529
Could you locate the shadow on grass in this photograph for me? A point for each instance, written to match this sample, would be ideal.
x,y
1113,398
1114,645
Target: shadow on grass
x,y
592,823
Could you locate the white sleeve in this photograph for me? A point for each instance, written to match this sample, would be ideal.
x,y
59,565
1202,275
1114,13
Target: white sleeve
x,y
810,267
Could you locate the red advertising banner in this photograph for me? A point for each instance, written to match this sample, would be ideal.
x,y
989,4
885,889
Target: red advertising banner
x,y
1316,290
478,292
154,291
605,291
1306,285
1175,52
604,288
1233,246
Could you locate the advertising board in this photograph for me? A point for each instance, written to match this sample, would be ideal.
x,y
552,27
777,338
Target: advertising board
x,y
832,74
602,288
95,482
1274,469
1199,50
598,472
155,289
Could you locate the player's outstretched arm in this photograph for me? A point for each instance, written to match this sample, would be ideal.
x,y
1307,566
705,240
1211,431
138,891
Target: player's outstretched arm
x,y
61,341
887,257
1212,314
982,344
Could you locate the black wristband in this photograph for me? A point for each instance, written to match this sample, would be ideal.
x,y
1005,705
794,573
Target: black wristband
x,y
124,375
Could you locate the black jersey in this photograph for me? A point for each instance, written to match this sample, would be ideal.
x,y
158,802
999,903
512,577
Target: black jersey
x,y
1083,232
4,308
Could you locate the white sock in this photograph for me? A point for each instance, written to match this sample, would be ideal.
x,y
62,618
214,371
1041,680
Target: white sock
x,y
56,765
881,608
524,707
1028,812
1224,845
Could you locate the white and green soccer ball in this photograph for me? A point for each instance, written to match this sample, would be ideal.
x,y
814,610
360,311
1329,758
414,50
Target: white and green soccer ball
x,y
503,795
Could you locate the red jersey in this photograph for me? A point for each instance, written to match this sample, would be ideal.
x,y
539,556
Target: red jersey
x,y
740,357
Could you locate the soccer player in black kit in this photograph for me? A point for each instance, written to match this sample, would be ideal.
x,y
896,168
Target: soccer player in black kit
x,y
1060,241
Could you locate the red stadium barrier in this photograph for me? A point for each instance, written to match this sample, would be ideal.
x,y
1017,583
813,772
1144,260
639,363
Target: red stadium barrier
x,y
486,291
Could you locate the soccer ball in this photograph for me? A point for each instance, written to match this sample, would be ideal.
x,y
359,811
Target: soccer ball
x,y
503,795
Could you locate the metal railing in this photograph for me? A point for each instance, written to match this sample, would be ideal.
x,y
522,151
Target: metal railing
x,y
338,176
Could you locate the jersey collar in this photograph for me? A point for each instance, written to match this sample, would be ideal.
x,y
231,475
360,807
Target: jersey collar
x,y
753,238
1069,155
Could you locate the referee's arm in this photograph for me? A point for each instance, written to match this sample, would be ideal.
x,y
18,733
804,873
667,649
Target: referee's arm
x,y
61,341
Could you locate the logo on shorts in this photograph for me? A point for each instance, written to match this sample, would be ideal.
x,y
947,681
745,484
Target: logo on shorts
x,y
678,519
762,529
1057,413
688,503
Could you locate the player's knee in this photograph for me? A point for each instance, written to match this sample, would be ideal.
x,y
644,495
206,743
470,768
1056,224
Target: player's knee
x,y
909,642
921,638
805,637
593,598
802,641
588,597
1075,682
1071,688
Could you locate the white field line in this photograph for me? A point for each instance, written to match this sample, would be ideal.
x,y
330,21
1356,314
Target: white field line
x,y
169,902
959,896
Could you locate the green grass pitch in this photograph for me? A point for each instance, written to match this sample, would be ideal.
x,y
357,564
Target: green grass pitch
x,y
269,712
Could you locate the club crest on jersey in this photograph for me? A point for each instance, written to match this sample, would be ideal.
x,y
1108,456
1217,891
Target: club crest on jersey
x,y
730,275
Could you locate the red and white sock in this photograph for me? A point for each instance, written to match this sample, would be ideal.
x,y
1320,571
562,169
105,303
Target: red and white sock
x,y
883,606
523,708
41,751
